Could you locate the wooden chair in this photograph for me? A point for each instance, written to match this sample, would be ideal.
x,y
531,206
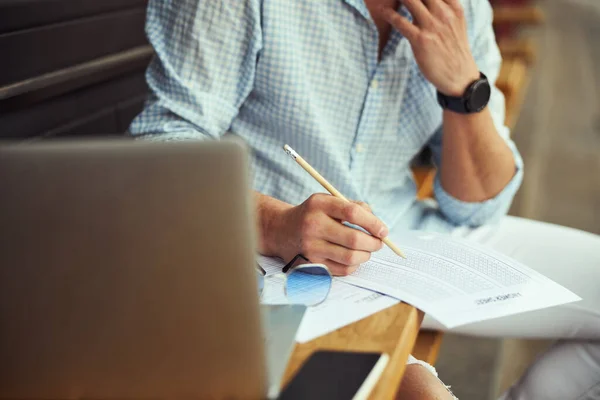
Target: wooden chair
x,y
507,17
522,49
517,15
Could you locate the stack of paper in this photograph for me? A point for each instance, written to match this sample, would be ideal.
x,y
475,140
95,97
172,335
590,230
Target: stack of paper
x,y
454,280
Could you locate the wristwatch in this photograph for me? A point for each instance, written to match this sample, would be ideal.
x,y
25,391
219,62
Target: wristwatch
x,y
474,100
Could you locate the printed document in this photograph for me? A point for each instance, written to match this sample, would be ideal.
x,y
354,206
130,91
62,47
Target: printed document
x,y
455,281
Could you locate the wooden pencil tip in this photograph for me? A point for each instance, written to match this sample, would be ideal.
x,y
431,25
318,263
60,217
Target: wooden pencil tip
x,y
394,248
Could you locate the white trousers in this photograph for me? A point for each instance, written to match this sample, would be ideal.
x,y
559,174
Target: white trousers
x,y
570,370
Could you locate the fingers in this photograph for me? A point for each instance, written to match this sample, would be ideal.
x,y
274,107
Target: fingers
x,y
419,11
339,269
424,14
357,215
438,7
338,258
455,5
363,205
336,268
400,23
323,239
434,6
322,249
350,238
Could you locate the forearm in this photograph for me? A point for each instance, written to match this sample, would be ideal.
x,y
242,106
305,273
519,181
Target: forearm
x,y
476,161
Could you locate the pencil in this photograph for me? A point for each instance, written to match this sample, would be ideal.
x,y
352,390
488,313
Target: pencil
x,y
334,192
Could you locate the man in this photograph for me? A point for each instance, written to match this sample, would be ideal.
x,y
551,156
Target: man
x,y
336,82
358,87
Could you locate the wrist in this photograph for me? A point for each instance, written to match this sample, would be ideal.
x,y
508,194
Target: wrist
x,y
269,212
462,82
465,120
473,100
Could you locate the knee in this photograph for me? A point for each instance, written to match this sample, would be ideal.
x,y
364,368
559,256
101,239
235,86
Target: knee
x,y
420,384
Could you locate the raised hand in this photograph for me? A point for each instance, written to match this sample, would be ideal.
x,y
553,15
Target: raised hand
x,y
438,37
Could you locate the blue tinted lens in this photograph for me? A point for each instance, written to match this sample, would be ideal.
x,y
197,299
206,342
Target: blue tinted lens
x,y
308,285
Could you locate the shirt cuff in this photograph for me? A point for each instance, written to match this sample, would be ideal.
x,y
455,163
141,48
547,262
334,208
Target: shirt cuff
x,y
475,214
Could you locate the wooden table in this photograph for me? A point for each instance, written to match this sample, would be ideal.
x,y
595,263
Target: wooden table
x,y
392,331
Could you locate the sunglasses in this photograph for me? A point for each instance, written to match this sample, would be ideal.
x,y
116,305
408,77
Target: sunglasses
x,y
305,283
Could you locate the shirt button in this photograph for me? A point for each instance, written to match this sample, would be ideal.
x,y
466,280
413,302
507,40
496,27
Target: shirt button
x,y
360,148
374,84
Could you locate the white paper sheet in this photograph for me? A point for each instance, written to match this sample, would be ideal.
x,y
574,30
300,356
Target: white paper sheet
x,y
270,265
456,281
344,305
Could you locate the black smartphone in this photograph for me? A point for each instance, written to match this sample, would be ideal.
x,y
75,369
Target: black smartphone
x,y
336,375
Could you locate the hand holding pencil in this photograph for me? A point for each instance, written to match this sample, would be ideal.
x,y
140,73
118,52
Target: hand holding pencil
x,y
382,234
314,229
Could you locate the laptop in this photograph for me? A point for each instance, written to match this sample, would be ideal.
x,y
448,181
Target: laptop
x,y
127,271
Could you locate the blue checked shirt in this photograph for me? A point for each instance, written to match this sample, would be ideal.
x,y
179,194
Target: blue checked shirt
x,y
306,73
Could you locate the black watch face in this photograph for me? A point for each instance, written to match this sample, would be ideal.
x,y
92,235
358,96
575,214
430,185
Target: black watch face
x,y
480,96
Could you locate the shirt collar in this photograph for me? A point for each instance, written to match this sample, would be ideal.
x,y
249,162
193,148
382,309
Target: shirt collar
x,y
360,6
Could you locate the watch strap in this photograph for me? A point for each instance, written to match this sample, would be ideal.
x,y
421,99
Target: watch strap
x,y
461,104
